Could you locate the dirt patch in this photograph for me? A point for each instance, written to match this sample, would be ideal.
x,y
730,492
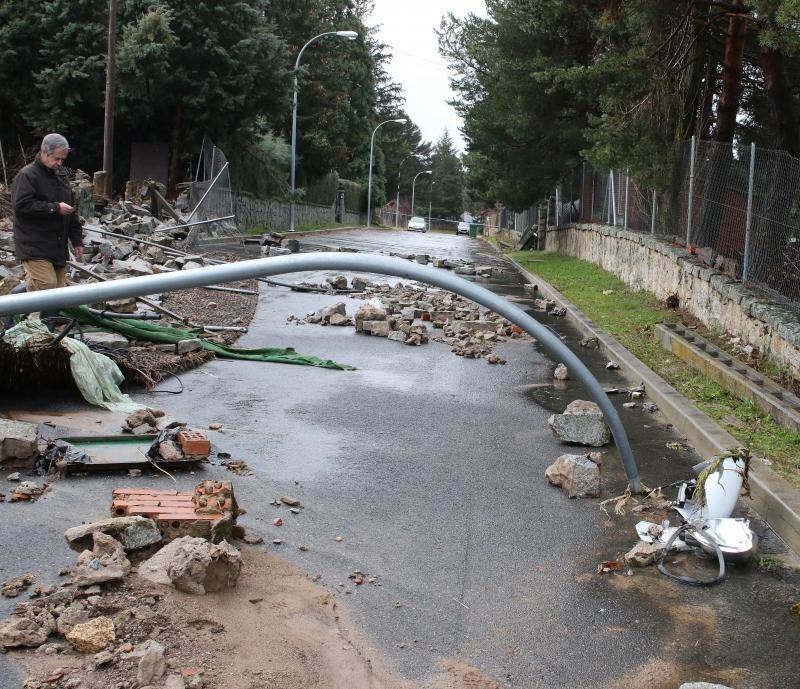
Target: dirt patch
x,y
276,629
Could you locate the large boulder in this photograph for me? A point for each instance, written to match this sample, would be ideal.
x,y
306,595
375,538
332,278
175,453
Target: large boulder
x,y
577,475
105,562
92,636
132,533
582,423
194,565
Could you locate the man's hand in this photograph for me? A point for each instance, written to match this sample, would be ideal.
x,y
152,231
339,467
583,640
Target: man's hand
x,y
65,209
78,251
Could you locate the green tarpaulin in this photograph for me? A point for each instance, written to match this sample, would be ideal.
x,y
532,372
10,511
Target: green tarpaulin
x,y
151,332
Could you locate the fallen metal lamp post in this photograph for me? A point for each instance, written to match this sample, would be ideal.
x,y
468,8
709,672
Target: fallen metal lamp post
x,y
50,300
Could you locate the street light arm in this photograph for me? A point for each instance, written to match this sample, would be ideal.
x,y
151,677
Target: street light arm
x,y
369,182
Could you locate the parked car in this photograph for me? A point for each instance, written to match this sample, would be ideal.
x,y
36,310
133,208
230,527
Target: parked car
x,y
462,228
417,224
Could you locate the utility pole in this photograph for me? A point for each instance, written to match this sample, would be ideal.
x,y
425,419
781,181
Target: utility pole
x,y
111,86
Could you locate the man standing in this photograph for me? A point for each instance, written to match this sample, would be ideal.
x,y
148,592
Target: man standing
x,y
44,217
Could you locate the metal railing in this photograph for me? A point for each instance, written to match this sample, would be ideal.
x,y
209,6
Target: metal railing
x,y
736,207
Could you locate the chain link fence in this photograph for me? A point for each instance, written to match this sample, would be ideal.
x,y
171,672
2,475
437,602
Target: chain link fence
x,y
737,208
211,199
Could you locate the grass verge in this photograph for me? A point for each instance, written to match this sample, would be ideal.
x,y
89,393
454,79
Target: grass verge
x,y
630,317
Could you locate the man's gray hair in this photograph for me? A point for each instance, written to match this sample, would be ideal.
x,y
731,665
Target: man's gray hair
x,y
53,142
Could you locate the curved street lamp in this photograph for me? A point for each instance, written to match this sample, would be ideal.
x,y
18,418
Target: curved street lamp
x,y
350,36
397,201
430,204
413,184
369,183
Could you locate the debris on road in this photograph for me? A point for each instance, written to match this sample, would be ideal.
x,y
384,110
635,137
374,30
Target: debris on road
x,y
13,587
577,475
561,372
133,533
581,423
194,565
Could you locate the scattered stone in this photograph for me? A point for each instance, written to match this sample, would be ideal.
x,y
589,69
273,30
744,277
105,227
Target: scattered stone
x,y
339,319
376,328
290,501
132,533
194,565
397,336
650,408
590,343
278,521
596,457
702,685
16,585
582,423
369,313
358,284
252,539
18,439
561,372
194,344
69,618
576,475
558,311
27,491
606,292
26,627
13,477
629,405
152,663
339,282
612,365
105,562
102,658
175,681
643,554
92,636
215,426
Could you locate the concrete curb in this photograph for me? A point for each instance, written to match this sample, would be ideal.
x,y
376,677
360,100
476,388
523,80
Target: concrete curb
x,y
772,497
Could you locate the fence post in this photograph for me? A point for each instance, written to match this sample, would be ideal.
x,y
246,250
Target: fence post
x,y
558,206
627,185
3,163
653,215
691,194
583,190
613,204
591,214
749,223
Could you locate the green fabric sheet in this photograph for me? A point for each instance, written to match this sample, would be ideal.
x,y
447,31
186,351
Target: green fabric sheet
x,y
152,332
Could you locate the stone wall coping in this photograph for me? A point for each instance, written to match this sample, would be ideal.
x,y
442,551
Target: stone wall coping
x,y
778,317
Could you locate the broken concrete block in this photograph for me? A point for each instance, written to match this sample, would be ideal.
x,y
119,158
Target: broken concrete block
x,y
18,439
194,565
325,314
643,554
397,336
276,251
368,312
590,343
69,618
105,562
132,533
377,328
191,345
576,475
358,284
107,340
582,423
92,636
464,270
339,319
561,372
291,244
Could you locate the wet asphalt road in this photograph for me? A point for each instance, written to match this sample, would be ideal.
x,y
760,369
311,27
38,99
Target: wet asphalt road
x,y
431,468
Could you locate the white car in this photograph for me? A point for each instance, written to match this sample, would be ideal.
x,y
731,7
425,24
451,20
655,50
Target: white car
x,y
417,224
463,228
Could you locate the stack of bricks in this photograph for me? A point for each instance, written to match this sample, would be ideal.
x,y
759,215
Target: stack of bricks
x,y
179,514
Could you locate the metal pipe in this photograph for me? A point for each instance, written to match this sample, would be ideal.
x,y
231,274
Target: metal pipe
x,y
190,224
208,191
690,203
235,290
52,299
749,223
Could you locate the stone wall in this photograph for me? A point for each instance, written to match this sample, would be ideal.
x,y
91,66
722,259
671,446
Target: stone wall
x,y
647,263
254,212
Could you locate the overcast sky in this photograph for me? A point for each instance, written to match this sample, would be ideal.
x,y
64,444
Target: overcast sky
x,y
407,27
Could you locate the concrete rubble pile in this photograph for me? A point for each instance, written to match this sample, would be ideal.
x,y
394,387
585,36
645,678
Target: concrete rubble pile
x,y
107,614
402,312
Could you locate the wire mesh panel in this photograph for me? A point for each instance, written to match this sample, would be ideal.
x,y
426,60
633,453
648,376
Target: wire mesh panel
x,y
211,199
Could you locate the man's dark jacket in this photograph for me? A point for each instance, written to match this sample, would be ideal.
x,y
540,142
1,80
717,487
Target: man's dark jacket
x,y
40,233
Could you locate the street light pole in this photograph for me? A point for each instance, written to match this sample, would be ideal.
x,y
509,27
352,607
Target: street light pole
x,y
369,182
413,185
397,202
430,204
350,36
